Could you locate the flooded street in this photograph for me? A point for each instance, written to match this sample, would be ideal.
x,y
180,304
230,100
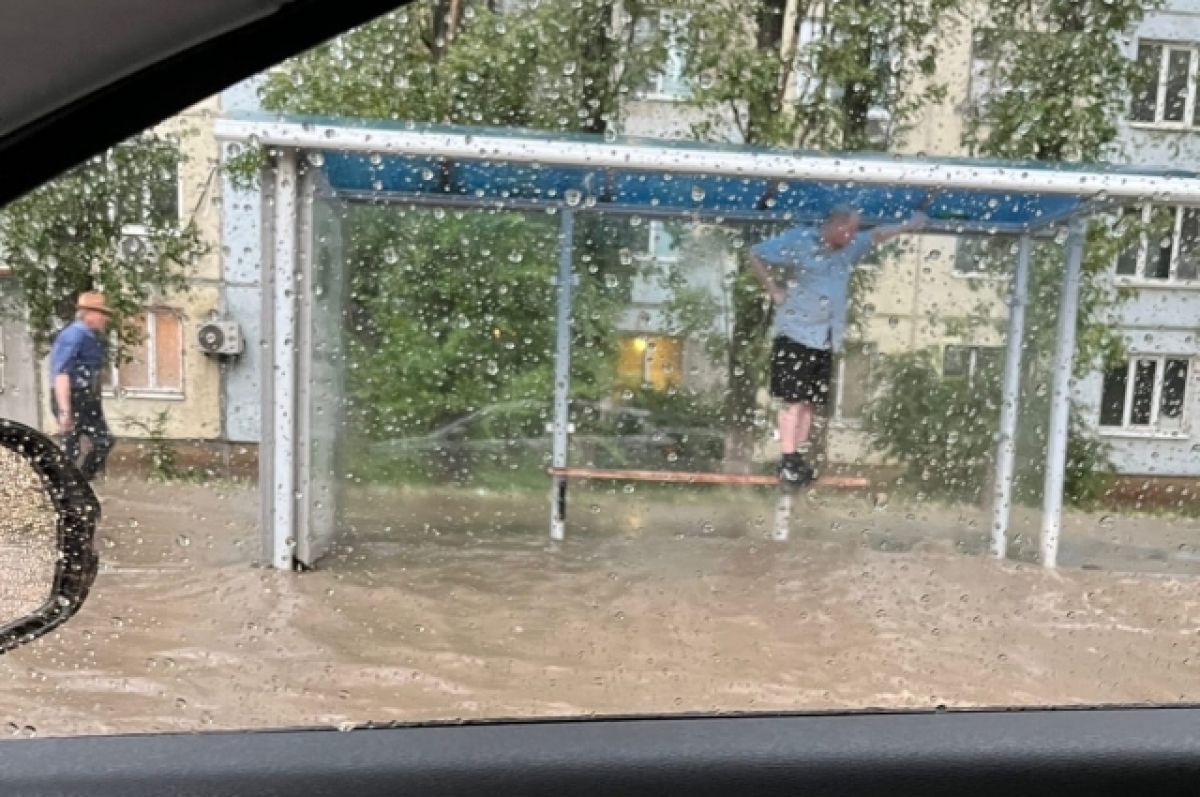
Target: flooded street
x,y
454,605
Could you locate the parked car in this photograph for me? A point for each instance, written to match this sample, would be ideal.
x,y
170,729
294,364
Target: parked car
x,y
516,434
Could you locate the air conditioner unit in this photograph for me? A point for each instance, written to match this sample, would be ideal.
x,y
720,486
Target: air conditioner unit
x,y
220,338
135,245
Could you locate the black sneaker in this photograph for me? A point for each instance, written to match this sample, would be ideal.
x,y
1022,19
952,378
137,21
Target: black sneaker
x,y
795,471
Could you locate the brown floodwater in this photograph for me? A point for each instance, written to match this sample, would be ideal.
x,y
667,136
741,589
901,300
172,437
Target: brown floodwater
x,y
452,604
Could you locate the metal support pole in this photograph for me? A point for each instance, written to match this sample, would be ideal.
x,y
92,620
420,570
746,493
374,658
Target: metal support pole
x,y
562,375
783,513
283,354
1060,397
1010,401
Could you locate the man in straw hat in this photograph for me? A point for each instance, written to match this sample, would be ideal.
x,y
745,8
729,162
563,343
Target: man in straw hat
x,y
76,363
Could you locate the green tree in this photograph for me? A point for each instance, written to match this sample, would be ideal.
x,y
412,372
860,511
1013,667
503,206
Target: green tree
x,y
1068,113
459,315
554,65
798,73
72,234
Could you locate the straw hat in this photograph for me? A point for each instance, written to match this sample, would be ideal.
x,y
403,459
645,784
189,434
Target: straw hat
x,y
90,300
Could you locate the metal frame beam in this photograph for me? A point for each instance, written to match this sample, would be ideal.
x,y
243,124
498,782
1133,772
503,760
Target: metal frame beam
x,y
706,215
562,374
1010,401
1060,396
281,304
661,157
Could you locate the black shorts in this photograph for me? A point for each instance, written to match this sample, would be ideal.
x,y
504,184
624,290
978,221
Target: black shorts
x,y
799,373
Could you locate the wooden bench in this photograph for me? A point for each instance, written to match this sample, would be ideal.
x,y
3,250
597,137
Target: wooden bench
x,y
684,477
783,507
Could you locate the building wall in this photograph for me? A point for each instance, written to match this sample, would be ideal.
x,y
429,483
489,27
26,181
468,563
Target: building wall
x,y
195,413
243,235
20,393
1158,319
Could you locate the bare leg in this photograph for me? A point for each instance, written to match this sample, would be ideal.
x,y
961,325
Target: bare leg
x,y
788,420
803,424
795,423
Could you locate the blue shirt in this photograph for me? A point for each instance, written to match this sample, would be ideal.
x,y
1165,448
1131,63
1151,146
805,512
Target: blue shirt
x,y
78,353
818,284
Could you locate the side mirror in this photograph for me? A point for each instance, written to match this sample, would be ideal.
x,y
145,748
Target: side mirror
x,y
48,517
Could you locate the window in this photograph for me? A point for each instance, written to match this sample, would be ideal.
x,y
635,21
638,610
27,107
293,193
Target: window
x,y
855,367
985,81
656,241
807,85
1147,393
668,83
1169,94
155,367
152,199
971,362
653,361
1170,249
984,256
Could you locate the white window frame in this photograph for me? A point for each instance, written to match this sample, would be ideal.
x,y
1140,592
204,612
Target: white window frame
x,y
115,390
973,351
1160,103
656,90
1126,429
980,86
869,352
809,31
655,231
143,230
652,267
1139,278
978,275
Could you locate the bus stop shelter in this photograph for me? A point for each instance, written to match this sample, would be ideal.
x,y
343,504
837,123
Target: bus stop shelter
x,y
508,169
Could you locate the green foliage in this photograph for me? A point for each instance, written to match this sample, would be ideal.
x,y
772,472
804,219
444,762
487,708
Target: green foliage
x,y
941,430
69,235
454,310
557,65
161,448
1069,112
865,55
744,65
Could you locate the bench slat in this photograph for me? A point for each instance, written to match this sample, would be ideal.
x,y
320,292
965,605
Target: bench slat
x,y
683,477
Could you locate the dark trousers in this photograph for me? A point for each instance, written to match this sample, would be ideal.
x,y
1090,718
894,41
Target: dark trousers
x,y
88,416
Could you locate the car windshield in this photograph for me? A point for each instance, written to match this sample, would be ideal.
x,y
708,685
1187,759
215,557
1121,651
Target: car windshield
x,y
582,357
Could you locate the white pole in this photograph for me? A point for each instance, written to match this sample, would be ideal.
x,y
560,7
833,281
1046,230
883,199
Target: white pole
x,y
283,540
783,514
1060,397
1010,401
562,375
